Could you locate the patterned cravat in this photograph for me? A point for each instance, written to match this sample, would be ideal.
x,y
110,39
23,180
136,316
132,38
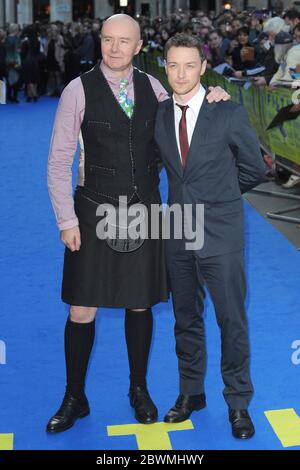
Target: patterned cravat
x,y
125,102
183,136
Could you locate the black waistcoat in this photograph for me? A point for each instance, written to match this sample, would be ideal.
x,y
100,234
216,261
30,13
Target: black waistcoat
x,y
120,153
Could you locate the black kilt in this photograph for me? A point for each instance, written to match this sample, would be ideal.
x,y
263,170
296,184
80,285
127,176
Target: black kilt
x,y
97,276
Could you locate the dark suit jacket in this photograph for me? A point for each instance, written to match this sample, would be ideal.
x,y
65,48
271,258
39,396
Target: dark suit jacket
x,y
224,161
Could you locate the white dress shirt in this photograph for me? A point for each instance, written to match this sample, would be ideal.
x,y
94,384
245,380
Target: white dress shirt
x,y
194,105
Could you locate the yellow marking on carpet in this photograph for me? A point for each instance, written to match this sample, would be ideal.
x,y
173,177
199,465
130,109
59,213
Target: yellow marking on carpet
x,y
286,425
150,436
6,441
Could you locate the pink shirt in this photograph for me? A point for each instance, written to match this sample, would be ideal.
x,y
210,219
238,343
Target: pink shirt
x,y
65,136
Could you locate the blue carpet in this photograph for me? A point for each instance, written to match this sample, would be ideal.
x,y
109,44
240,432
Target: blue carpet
x,y
32,320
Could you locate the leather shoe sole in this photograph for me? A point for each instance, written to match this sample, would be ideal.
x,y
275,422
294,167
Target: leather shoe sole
x,y
243,434
54,430
178,419
241,423
146,420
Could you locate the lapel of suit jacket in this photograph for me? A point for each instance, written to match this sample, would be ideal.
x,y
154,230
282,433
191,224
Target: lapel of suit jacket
x,y
169,121
203,124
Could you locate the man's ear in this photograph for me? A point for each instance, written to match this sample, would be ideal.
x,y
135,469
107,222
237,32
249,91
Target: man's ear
x,y
203,67
165,62
138,47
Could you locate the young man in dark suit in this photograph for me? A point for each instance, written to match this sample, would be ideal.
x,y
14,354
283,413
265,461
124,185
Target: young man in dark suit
x,y
211,155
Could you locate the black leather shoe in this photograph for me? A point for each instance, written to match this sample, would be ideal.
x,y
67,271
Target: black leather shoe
x,y
140,400
242,426
71,409
184,406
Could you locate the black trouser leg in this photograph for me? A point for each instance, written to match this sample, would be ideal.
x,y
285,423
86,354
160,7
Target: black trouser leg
x,y
9,93
79,339
138,332
15,92
226,283
188,302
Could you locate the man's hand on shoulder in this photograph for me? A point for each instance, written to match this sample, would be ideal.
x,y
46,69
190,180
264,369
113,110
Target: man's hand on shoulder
x,y
71,238
217,94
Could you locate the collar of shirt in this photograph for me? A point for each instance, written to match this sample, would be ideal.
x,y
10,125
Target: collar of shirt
x,y
194,103
112,78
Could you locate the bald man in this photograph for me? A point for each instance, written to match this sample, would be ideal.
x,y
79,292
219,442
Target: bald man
x,y
111,111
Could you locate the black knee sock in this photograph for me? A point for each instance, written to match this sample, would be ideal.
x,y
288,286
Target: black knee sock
x,y
138,331
79,339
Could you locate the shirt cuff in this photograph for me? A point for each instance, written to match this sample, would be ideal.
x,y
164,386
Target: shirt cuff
x,y
69,224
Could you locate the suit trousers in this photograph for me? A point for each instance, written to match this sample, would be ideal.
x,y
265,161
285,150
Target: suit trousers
x,y
225,280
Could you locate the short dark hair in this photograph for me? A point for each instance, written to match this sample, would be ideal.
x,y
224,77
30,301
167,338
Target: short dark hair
x,y
292,14
184,40
244,29
216,31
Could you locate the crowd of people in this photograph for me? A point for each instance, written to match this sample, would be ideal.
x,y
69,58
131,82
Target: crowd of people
x,y
243,41
45,58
